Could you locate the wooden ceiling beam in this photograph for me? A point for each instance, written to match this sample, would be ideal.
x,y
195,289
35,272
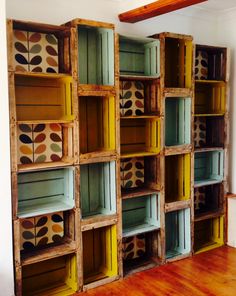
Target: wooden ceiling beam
x,y
154,9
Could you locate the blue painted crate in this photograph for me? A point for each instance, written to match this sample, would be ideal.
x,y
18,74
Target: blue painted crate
x,y
178,233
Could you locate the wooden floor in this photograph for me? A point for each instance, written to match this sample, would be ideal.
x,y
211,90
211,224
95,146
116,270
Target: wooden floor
x,y
210,273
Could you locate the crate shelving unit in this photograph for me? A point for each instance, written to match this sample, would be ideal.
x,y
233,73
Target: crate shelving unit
x,y
210,144
115,168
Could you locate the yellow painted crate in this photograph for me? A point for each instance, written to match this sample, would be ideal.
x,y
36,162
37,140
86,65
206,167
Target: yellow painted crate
x,y
54,277
43,97
177,177
140,137
208,234
99,253
97,123
178,62
210,97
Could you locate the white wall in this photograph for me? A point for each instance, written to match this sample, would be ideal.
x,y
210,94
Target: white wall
x,y
6,262
226,36
187,21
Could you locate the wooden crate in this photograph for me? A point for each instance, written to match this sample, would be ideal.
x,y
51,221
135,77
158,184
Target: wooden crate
x,y
210,63
99,254
177,121
97,124
210,97
178,233
208,200
139,137
56,276
176,60
208,167
98,188
139,56
45,192
209,131
140,214
139,97
177,177
38,48
40,97
139,176
208,234
44,143
95,55
140,252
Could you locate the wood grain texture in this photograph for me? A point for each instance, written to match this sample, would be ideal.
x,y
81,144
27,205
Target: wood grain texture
x,y
216,268
154,9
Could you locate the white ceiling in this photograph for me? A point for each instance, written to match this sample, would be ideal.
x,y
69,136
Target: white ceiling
x,y
218,5
213,5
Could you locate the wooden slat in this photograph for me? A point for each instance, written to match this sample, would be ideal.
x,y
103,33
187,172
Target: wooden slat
x,y
154,9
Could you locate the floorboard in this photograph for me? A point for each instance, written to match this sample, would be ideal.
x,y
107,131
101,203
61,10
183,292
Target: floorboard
x,y
211,273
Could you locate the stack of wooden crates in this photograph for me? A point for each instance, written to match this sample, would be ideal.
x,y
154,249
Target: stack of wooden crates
x,y
102,133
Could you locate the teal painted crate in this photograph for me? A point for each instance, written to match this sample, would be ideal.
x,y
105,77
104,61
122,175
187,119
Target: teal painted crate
x,y
208,167
177,121
45,192
96,55
140,214
139,56
98,189
178,233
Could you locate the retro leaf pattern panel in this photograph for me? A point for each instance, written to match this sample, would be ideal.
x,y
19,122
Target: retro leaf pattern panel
x,y
131,98
38,143
132,172
199,132
201,65
133,247
41,231
35,52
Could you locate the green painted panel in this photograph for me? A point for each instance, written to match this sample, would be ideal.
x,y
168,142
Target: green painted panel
x,y
208,166
45,191
140,214
177,121
96,55
139,56
178,233
97,189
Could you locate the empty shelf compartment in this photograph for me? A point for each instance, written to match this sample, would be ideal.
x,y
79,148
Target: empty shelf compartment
x,y
45,192
43,98
96,55
177,177
140,252
140,214
210,98
177,121
139,97
139,56
139,137
44,143
208,199
209,131
97,124
178,233
139,175
99,254
208,234
208,167
210,63
98,189
178,62
56,276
